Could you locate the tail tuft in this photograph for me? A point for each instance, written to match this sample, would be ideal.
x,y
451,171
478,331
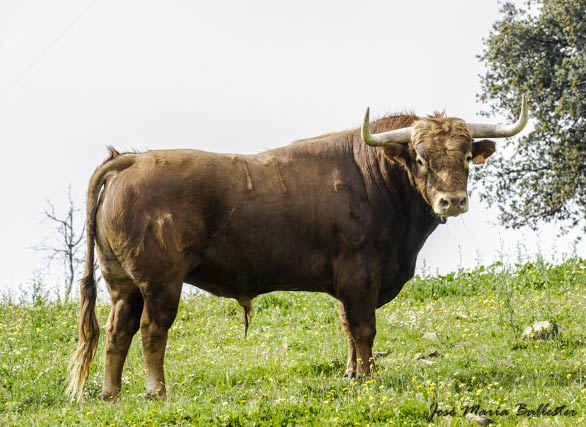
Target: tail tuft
x,y
89,334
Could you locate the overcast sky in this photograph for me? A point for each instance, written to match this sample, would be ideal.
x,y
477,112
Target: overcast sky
x,y
227,76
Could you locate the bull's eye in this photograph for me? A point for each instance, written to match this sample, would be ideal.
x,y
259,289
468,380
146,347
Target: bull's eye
x,y
469,158
420,162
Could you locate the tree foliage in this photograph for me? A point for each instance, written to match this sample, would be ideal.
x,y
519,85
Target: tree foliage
x,y
539,49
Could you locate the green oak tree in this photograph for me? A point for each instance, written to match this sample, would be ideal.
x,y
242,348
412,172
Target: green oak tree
x,y
538,49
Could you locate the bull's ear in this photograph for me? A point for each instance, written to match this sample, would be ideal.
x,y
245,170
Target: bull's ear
x,y
482,150
397,152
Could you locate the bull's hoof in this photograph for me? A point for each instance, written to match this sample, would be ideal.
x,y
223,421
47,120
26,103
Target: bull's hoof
x,y
359,376
350,374
153,395
108,397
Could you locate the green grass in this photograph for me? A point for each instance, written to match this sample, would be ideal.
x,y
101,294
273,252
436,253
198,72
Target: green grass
x,y
288,372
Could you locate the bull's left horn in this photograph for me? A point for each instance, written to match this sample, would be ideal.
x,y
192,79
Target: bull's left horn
x,y
401,136
482,130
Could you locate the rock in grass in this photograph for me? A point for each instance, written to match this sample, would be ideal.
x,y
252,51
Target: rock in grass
x,y
424,358
541,331
419,356
430,336
479,420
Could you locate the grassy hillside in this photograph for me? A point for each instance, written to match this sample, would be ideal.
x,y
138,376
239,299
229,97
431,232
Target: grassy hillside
x,y
288,372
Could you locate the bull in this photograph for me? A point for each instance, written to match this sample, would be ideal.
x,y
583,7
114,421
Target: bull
x,y
344,213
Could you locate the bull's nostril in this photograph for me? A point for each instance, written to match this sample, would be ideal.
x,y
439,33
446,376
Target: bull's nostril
x,y
463,203
444,203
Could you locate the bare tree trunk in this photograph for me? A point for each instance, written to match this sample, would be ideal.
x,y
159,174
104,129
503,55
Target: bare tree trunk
x,y
68,245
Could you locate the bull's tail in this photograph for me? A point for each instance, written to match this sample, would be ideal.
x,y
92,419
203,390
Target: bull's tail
x,y
89,330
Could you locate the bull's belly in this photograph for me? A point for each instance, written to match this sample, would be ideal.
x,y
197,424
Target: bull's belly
x,y
238,271
238,289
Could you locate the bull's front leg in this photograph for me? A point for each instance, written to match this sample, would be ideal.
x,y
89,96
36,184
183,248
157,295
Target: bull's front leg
x,y
357,289
362,325
351,363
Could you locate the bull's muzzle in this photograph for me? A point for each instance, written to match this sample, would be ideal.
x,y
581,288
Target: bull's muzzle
x,y
451,204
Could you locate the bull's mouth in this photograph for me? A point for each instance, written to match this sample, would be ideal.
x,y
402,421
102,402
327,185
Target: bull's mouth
x,y
443,216
446,205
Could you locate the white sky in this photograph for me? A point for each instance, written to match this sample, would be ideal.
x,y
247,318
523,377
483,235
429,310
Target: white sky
x,y
227,76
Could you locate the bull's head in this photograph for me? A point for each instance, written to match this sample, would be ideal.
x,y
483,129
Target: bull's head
x,y
437,152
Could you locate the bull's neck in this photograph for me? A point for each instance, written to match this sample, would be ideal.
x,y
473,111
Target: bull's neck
x,y
395,200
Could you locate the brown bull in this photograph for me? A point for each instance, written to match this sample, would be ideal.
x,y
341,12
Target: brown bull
x,y
345,213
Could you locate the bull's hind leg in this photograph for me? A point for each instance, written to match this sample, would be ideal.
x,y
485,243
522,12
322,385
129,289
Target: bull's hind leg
x,y
123,323
161,301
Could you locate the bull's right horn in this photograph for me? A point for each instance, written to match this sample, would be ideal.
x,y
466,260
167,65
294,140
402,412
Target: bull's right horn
x,y
483,130
397,136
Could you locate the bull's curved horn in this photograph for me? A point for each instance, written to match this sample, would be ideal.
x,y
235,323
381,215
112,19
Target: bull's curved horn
x,y
482,130
401,136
